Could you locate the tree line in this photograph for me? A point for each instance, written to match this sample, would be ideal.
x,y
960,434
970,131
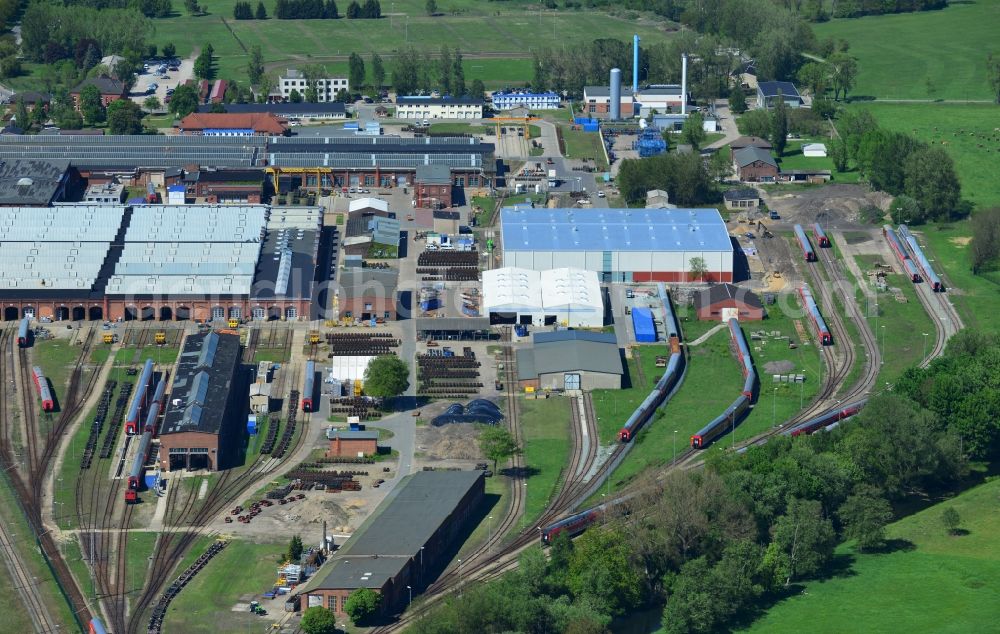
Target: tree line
x,y
414,72
305,10
149,8
243,11
715,547
686,178
859,8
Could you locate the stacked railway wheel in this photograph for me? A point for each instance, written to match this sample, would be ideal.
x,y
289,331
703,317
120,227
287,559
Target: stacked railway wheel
x,y
441,374
369,344
448,266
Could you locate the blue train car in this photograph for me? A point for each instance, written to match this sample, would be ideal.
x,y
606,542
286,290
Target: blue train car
x,y
139,398
23,332
817,318
820,236
925,265
96,627
807,250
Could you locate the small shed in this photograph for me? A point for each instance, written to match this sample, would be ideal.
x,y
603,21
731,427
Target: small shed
x,y
260,398
814,150
347,443
642,323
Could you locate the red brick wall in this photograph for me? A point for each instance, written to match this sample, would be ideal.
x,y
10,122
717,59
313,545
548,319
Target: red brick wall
x,y
351,447
714,311
678,276
757,170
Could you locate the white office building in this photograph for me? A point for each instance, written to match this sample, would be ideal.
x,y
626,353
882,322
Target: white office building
x,y
428,108
326,88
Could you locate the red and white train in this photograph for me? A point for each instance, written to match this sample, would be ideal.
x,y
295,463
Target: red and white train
x,y
42,386
139,399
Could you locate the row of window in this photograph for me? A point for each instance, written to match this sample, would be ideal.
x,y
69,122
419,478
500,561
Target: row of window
x,y
285,83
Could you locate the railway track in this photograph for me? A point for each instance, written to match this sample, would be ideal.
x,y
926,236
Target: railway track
x,y
24,582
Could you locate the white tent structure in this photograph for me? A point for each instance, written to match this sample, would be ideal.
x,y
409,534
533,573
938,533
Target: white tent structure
x,y
565,297
573,297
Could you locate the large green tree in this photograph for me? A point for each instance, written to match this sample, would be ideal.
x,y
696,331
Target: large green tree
x,y
779,126
184,101
319,620
931,180
124,117
356,72
602,569
804,539
497,443
91,106
865,516
843,72
378,71
362,605
203,68
255,65
693,132
386,376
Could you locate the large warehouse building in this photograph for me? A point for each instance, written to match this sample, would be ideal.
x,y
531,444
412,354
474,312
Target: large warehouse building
x,y
206,405
621,245
567,297
570,360
160,262
405,542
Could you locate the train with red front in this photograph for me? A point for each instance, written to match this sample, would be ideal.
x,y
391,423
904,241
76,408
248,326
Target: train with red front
x,y
309,387
23,332
671,373
824,420
808,253
820,236
896,245
727,419
42,387
95,626
809,303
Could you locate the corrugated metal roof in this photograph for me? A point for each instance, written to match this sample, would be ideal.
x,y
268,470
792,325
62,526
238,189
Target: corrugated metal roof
x,y
197,223
613,230
568,355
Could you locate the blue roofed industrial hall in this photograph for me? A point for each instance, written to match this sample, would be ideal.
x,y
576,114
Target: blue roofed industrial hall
x,y
621,245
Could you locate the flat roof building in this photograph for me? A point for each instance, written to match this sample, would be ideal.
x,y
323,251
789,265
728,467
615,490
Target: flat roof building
x,y
620,245
570,360
568,297
508,100
406,541
287,110
204,410
420,108
326,87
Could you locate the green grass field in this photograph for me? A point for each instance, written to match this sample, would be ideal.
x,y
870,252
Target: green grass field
x,y
928,55
583,145
161,355
56,358
936,583
473,27
900,326
545,426
967,132
243,568
794,160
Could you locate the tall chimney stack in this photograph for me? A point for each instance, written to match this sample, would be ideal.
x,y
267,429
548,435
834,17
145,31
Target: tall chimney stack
x,y
635,64
616,94
684,83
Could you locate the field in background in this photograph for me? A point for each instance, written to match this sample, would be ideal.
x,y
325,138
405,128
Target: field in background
x,y
507,32
967,132
927,55
929,582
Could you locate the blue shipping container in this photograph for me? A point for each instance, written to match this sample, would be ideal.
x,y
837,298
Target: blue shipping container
x,y
642,323
252,425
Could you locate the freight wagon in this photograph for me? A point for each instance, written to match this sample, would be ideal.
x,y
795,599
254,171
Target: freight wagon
x,y
815,316
138,399
807,250
22,332
308,388
42,386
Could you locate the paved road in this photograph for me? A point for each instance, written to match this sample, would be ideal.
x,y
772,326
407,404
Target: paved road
x,y
728,125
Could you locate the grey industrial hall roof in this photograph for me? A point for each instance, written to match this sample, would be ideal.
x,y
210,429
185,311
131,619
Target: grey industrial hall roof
x,y
357,282
30,182
362,152
748,155
404,522
569,355
287,264
574,335
140,150
433,175
721,292
613,230
605,91
202,381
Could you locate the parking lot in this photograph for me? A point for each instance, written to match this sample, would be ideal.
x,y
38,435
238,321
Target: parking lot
x,y
172,79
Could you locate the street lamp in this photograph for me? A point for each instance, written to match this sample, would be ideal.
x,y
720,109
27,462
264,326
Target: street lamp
x,y
801,386
882,354
774,407
925,346
489,541
409,589
675,447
